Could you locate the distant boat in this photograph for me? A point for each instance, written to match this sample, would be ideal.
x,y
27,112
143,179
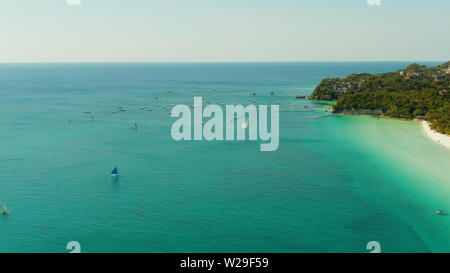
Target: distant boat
x,y
135,126
271,93
5,210
115,172
442,212
300,97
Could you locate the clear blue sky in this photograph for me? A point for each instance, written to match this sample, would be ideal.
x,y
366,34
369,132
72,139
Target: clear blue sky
x,y
224,30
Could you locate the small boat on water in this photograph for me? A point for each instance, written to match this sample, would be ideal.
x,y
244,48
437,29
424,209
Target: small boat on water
x,y
144,107
442,212
115,173
300,97
135,126
5,210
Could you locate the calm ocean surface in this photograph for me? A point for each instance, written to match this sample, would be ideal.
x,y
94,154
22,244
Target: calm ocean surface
x,y
334,184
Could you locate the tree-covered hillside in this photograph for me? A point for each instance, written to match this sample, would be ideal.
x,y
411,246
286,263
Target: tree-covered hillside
x,y
414,92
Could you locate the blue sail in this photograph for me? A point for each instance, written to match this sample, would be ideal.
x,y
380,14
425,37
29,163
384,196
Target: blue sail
x,y
115,171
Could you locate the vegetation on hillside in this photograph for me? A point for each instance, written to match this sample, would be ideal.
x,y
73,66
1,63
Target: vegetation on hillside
x,y
414,92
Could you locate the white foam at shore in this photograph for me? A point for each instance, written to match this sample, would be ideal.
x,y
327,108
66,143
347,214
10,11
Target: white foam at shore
x,y
442,139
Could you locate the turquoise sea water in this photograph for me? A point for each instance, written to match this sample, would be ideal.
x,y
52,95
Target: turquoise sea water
x,y
334,184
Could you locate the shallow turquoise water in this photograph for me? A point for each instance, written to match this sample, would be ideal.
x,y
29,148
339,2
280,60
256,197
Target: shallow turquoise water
x,y
333,185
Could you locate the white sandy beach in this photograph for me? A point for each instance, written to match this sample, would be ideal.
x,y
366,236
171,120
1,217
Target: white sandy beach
x,y
442,139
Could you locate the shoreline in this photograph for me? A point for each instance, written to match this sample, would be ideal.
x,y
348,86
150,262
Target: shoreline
x,y
442,139
439,138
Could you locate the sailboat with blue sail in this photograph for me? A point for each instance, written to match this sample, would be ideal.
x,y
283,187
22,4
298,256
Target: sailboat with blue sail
x,y
115,173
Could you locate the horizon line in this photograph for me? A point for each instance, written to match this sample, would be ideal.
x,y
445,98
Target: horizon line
x,y
201,62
